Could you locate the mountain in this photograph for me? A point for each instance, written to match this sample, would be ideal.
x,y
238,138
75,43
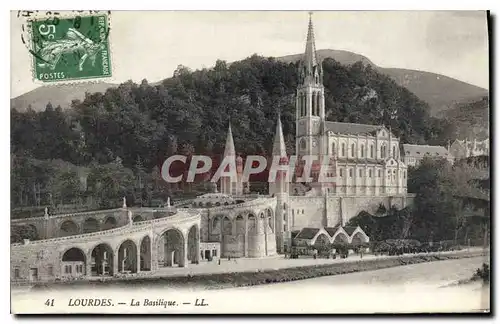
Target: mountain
x,y
471,118
57,95
439,91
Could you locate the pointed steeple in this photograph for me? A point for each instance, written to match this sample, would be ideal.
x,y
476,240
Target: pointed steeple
x,y
229,149
310,59
279,148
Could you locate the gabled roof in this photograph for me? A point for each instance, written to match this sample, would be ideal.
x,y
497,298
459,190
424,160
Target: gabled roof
x,y
425,150
307,233
351,128
349,229
391,161
331,230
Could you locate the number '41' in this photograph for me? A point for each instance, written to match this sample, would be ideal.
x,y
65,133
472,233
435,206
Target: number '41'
x,y
49,302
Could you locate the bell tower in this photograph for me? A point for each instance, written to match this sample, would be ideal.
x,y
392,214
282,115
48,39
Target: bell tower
x,y
310,100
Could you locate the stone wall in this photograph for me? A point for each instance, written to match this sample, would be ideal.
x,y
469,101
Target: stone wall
x,y
46,261
330,211
46,255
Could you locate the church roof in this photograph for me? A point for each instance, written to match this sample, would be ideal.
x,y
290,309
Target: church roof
x,y
279,148
307,233
425,150
351,128
229,149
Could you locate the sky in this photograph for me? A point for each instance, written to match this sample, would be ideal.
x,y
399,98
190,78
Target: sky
x,y
151,44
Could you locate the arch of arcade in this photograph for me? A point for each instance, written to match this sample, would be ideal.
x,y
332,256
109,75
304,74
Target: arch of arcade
x,y
133,248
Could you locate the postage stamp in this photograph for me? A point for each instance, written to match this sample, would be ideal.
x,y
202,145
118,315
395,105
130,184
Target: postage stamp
x,y
70,48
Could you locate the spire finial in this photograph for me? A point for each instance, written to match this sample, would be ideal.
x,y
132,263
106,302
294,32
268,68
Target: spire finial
x,y
279,147
310,59
229,149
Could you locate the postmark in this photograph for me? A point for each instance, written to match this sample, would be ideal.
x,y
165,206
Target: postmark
x,y
70,48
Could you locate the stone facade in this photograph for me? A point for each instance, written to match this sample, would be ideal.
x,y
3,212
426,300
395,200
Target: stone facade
x,y
245,229
333,210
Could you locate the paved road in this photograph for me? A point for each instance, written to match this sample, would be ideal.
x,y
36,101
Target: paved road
x,y
271,263
412,288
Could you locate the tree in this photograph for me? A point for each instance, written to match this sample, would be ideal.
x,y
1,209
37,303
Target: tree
x,y
19,233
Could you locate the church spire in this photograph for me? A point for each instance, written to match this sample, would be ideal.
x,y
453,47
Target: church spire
x,y
229,149
279,148
310,59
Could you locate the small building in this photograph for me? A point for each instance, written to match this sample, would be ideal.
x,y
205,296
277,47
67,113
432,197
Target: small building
x,y
329,235
413,154
209,251
467,148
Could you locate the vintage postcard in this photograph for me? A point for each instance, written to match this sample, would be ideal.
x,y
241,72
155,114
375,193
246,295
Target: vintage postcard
x,y
249,162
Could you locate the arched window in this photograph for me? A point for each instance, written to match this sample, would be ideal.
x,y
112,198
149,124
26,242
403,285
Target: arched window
x,y
371,151
379,173
382,152
362,151
313,100
350,173
360,173
299,104
318,102
394,152
303,144
352,150
343,150
303,104
341,172
370,173
333,148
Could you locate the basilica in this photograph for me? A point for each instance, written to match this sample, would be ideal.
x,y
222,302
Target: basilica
x,y
364,160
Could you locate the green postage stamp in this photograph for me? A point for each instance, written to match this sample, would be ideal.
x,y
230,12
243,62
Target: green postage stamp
x,y
70,48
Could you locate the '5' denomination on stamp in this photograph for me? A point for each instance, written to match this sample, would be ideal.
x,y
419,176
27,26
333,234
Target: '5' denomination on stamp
x,y
70,48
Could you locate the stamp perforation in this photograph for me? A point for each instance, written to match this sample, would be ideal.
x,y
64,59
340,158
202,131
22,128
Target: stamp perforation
x,y
27,39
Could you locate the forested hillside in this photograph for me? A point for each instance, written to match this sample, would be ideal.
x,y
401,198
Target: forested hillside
x,y
190,113
472,118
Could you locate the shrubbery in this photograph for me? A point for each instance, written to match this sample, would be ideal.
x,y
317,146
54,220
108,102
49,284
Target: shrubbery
x,y
399,247
483,273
